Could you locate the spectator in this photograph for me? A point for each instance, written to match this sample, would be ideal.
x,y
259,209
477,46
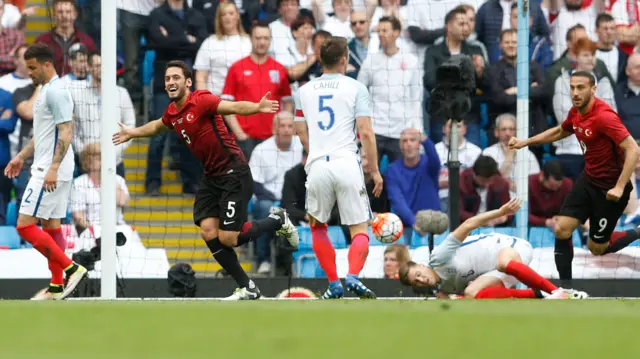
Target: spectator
x,y
504,156
176,32
393,79
269,162
412,181
547,191
495,16
568,149
425,23
281,34
467,155
299,57
7,125
457,24
337,24
388,8
359,45
395,256
87,113
11,82
249,79
471,37
503,90
209,9
78,64
625,13
64,34
23,99
568,61
608,52
627,96
218,52
564,15
378,204
539,46
482,189
85,196
133,17
12,17
10,39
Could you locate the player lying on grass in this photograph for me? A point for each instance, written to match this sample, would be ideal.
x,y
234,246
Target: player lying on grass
x,y
483,266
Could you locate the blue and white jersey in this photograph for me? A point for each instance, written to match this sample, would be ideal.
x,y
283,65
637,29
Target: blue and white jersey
x,y
458,263
330,104
53,106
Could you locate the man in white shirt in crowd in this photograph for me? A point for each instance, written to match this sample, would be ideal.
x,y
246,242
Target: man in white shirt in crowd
x,y
337,24
565,14
87,112
394,79
505,128
12,81
270,161
281,35
79,65
467,155
608,52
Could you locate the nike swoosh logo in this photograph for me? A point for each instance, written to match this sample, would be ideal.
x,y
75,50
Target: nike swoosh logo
x,y
225,222
597,237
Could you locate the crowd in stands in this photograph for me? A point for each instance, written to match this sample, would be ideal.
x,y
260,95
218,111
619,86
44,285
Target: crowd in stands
x,y
241,50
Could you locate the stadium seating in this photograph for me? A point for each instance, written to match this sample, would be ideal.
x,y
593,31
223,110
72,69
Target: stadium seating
x,y
12,214
9,237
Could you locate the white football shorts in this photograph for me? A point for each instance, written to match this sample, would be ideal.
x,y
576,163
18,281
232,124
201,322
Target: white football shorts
x,y
36,202
525,251
337,179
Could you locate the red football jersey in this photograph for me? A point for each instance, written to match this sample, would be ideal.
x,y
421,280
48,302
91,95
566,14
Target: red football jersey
x,y
599,133
203,130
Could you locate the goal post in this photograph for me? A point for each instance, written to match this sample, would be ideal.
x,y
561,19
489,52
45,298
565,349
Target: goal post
x,y
109,101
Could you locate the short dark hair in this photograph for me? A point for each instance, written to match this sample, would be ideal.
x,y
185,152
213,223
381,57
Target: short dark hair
x,y
403,272
586,74
41,52
72,2
77,49
485,167
323,34
186,71
452,14
279,3
91,55
604,17
332,50
507,31
553,169
395,23
302,19
572,30
257,24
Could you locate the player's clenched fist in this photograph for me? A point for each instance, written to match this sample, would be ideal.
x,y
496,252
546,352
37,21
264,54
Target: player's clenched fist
x,y
615,194
516,144
268,106
14,167
121,136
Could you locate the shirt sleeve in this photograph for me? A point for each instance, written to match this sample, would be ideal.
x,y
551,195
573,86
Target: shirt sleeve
x,y
61,105
363,103
444,253
567,124
610,124
166,120
209,102
299,115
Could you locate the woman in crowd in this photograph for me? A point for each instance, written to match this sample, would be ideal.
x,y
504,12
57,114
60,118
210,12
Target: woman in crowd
x,y
395,256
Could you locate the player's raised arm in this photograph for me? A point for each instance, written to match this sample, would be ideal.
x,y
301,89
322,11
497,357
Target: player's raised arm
x,y
246,108
549,136
149,129
482,219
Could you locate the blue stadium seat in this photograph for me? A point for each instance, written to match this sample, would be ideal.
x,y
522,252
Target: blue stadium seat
x,y
9,237
420,241
543,237
12,214
384,163
336,235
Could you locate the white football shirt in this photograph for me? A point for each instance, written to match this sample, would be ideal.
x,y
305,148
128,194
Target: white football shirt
x,y
330,104
52,107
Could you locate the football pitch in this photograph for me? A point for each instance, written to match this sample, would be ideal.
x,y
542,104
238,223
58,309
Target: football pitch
x,y
319,329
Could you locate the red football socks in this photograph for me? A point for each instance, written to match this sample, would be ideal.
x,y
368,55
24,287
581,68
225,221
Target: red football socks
x,y
44,244
324,251
529,277
358,252
57,272
499,292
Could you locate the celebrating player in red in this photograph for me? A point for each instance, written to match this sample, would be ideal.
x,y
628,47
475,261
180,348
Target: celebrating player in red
x,y
222,199
601,192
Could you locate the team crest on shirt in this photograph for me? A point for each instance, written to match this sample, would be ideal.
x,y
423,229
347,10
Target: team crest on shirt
x,y
248,72
190,118
274,75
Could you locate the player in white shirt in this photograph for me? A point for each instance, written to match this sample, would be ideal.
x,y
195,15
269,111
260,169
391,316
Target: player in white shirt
x,y
47,194
329,109
483,266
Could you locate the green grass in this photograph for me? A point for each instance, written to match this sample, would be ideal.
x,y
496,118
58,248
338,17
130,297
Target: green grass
x,y
600,329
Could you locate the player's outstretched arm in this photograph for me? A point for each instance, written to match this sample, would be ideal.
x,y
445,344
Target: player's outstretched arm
x,y
368,141
631,155
548,136
149,129
303,134
482,219
246,108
